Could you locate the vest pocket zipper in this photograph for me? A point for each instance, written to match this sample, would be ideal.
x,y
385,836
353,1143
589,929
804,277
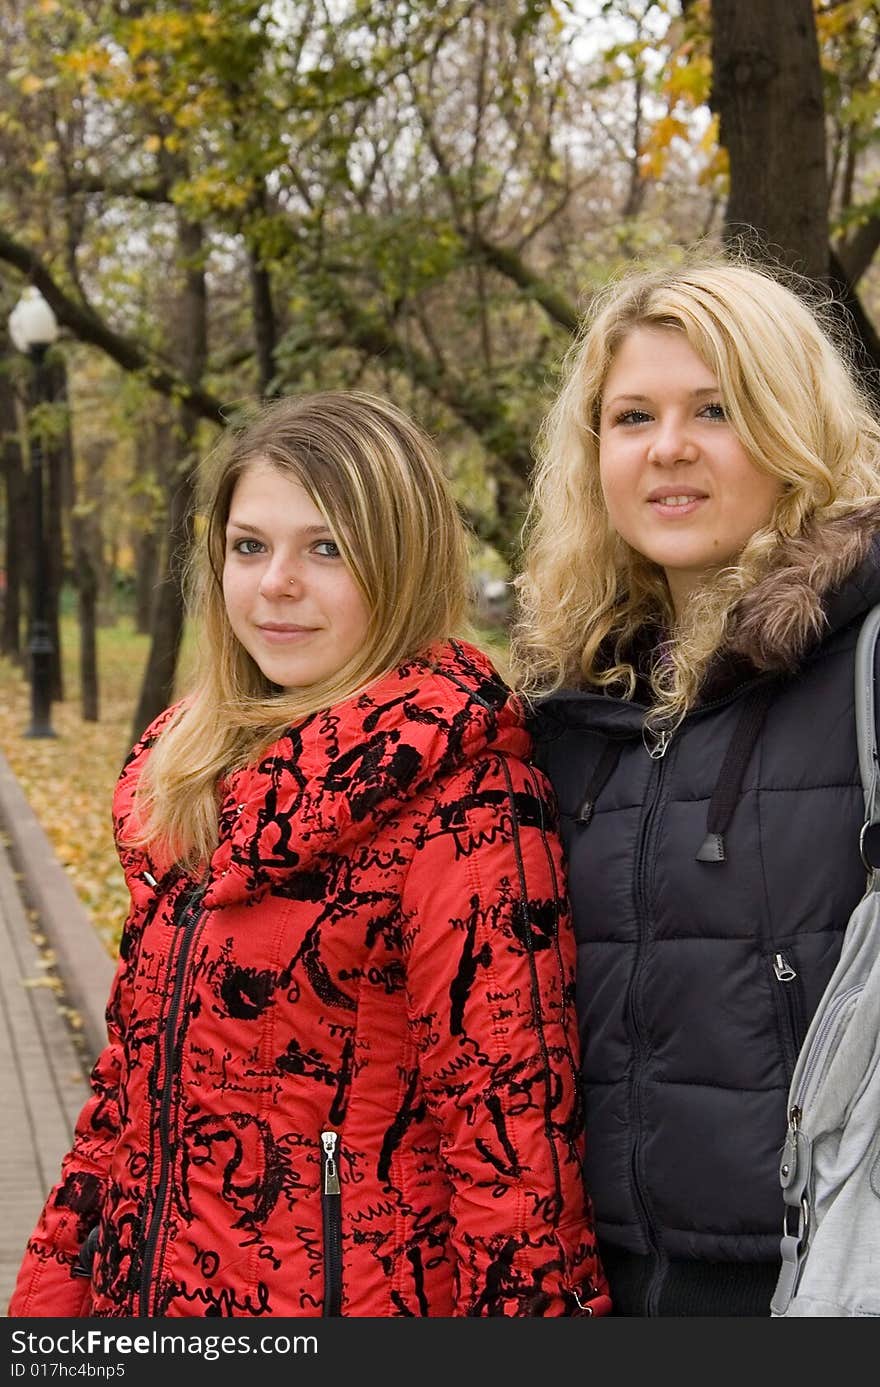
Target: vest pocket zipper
x,y
331,1207
788,998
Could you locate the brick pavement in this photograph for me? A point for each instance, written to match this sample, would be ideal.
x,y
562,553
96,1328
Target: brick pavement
x,y
42,1079
42,1067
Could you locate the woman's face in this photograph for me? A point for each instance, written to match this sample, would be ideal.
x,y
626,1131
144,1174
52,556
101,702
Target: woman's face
x,y
291,600
678,484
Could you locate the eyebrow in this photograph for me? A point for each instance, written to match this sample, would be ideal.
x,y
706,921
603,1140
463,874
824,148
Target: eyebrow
x,y
704,390
255,529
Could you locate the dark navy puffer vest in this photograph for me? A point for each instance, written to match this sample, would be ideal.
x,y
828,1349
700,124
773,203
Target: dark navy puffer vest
x,y
710,888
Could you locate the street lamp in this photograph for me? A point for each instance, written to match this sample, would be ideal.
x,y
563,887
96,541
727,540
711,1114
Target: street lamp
x,y
33,328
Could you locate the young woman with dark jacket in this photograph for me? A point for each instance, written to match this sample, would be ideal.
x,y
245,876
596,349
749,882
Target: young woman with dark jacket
x,y
341,1074
702,552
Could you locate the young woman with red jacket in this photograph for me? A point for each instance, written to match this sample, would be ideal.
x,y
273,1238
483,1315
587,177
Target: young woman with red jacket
x,y
342,1069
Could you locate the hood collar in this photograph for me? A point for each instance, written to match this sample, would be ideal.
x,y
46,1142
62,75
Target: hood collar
x,y
333,779
820,582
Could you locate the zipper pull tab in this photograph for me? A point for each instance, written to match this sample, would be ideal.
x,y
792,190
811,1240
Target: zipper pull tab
x,y
658,744
331,1174
783,969
788,1165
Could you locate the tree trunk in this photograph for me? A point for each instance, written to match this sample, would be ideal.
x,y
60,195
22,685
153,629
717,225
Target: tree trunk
x,y
767,90
190,331
85,538
88,561
265,331
108,613
157,689
82,534
146,578
15,495
155,443
56,393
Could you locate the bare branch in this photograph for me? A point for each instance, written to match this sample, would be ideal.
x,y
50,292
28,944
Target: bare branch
x,y
85,324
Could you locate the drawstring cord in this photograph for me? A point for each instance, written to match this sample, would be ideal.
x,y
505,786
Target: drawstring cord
x,y
725,795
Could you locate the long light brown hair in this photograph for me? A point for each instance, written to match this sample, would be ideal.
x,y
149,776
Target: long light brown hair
x,y
793,401
379,482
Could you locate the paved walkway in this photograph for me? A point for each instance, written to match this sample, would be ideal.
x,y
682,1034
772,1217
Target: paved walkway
x,y
42,1083
50,960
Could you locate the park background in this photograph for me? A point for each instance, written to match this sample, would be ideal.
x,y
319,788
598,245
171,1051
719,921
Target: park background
x,y
228,200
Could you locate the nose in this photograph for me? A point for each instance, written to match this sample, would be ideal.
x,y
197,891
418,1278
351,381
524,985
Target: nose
x,y
281,578
671,443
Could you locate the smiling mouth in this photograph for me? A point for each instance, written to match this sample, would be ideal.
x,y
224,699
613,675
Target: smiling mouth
x,y
680,498
681,503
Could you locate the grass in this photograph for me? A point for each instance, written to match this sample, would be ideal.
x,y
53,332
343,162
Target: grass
x,y
69,779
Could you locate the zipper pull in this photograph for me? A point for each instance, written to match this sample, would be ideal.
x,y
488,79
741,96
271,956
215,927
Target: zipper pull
x,y
331,1174
788,1166
783,969
659,743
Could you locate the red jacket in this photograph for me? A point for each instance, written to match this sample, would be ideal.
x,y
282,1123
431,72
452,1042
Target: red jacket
x,y
342,1068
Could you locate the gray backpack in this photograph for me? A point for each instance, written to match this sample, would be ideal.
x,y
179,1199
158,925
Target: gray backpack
x,y
830,1165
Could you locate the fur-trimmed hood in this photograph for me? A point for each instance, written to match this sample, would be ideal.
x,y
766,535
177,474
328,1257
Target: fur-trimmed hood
x,y
820,581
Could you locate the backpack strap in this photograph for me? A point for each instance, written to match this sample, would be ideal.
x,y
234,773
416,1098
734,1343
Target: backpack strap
x,y
866,734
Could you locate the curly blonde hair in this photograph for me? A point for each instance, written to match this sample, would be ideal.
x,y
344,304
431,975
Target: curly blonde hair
x,y
379,482
791,397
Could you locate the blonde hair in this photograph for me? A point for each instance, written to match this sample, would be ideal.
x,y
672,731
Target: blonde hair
x,y
379,482
793,402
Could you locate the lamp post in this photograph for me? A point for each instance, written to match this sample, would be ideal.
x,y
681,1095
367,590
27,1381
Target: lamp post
x,y
33,328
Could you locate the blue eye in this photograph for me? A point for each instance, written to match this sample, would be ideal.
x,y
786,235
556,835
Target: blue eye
x,y
632,416
328,549
714,410
247,546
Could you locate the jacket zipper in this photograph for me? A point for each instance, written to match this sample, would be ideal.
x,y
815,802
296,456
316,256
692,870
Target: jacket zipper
x,y
658,756
192,917
331,1208
577,1078
789,1004
533,971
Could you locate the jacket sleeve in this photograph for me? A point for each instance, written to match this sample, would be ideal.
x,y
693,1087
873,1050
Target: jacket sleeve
x,y
47,1283
490,971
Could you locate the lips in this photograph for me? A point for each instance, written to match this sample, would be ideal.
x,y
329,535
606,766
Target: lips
x,y
676,505
283,627
680,496
283,633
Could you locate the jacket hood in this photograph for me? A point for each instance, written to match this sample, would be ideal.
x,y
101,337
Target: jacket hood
x,y
820,582
331,780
